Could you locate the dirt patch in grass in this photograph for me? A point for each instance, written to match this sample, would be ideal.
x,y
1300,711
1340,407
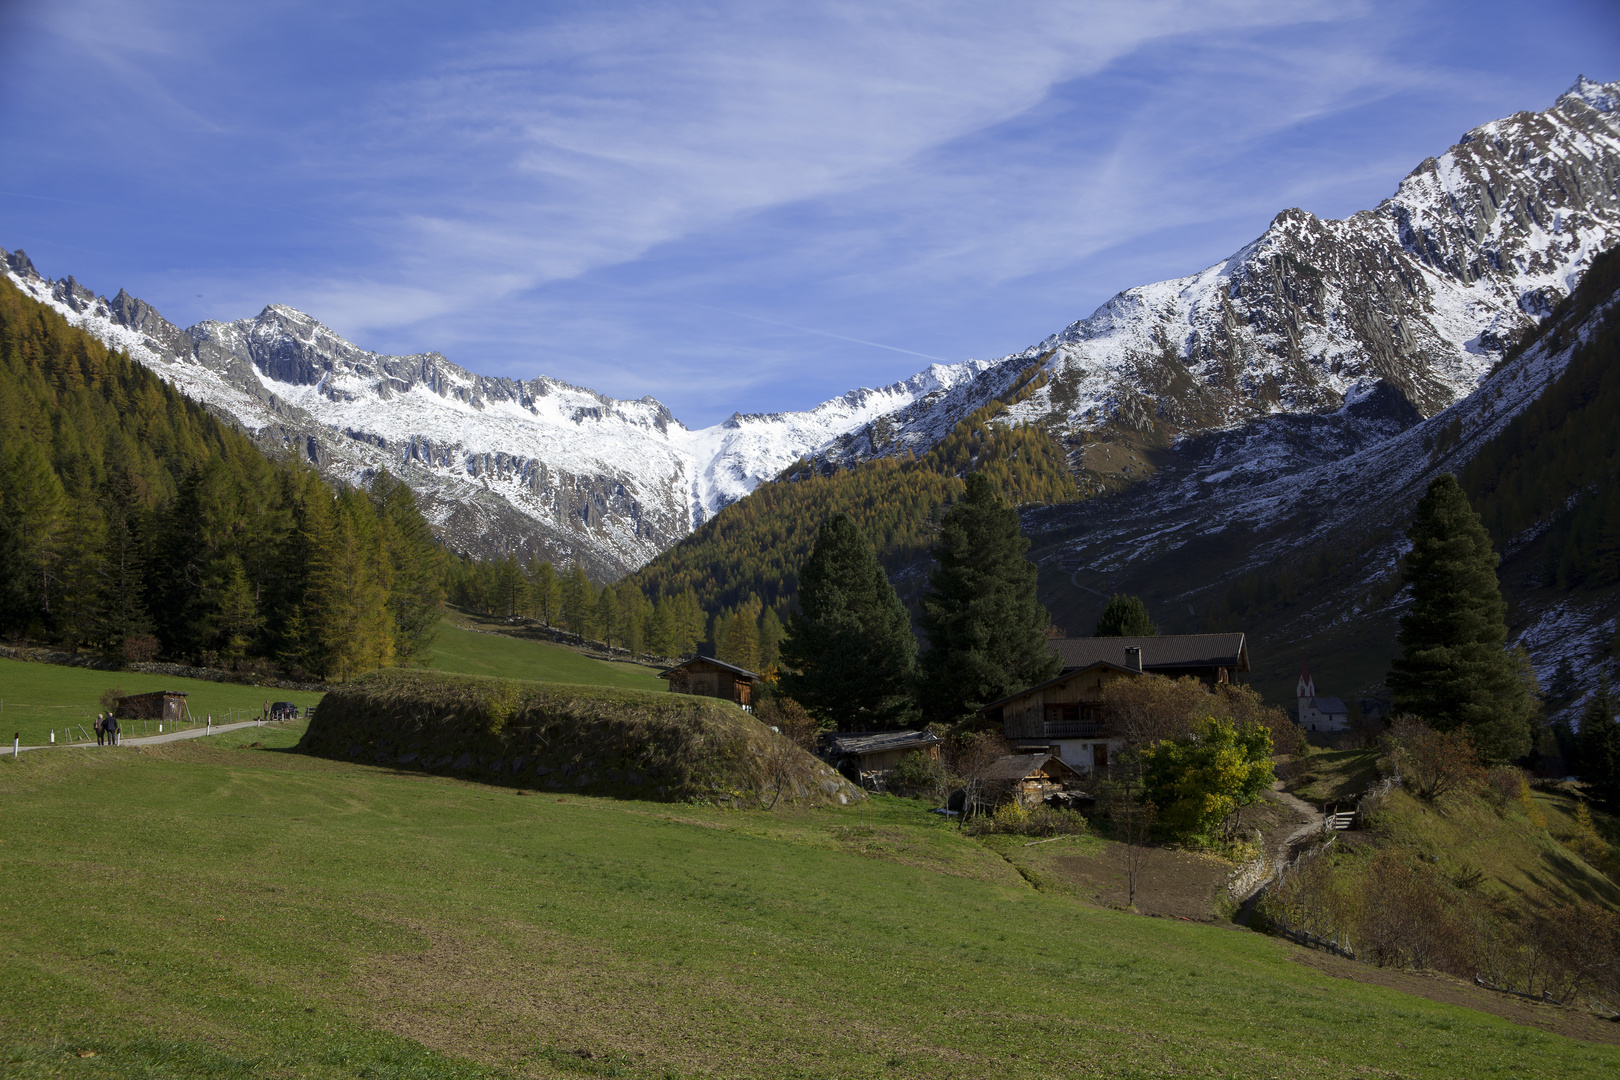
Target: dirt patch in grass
x,y
1179,884
1571,1023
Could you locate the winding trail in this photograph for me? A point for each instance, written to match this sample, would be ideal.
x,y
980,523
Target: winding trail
x,y
149,740
1283,850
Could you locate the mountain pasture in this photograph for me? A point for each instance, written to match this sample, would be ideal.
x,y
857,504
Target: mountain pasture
x,y
218,908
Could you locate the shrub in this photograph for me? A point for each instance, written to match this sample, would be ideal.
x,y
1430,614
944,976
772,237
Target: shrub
x,y
917,775
1586,842
1432,764
790,718
1505,786
1199,780
1016,819
140,648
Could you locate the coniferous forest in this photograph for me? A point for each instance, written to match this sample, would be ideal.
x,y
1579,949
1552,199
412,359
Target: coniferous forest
x,y
134,523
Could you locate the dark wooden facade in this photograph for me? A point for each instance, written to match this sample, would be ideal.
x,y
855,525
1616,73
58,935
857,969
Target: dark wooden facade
x,y
707,677
158,705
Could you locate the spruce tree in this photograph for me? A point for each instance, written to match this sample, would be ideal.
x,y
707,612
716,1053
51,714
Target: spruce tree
x,y
1454,671
986,629
849,652
1125,616
1598,749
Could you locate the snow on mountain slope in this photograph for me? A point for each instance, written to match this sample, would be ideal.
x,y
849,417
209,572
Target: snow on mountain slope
x,y
1311,343
1421,295
534,466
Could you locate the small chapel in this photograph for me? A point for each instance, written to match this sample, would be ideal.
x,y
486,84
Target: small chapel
x,y
1319,713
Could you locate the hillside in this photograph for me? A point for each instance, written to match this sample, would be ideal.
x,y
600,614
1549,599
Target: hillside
x,y
136,523
263,913
1404,306
1303,554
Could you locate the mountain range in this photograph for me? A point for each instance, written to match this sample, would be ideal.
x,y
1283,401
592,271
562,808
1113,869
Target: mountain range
x,y
1310,345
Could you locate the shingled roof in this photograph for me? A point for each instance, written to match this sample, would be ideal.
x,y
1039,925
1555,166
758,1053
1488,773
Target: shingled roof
x,y
1164,652
864,743
733,668
1018,766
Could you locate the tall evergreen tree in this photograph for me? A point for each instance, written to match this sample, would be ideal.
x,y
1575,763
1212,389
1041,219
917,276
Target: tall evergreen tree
x,y
985,626
578,602
849,652
771,634
741,642
1455,671
1597,761
544,601
416,591
1125,616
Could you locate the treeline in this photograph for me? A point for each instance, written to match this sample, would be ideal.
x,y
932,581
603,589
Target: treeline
x,y
754,547
1559,460
135,523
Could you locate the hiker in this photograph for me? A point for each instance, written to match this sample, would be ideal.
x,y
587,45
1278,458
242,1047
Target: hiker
x,y
112,729
101,731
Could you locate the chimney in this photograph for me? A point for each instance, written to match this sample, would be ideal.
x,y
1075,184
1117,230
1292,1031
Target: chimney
x,y
1133,658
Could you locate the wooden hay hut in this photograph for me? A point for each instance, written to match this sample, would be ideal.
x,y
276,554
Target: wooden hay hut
x,y
867,757
158,705
707,677
1028,778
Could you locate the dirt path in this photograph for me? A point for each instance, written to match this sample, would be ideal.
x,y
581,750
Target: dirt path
x,y
148,740
1283,850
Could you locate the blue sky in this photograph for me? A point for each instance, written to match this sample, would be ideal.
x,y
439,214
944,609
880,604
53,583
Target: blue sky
x,y
747,206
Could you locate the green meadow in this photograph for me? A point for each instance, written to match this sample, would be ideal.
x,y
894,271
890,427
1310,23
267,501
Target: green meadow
x,y
473,653
220,908
36,698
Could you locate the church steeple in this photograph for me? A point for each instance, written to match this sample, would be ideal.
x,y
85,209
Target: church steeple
x,y
1307,686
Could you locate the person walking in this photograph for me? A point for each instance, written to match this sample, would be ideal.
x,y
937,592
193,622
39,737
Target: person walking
x,y
113,729
101,731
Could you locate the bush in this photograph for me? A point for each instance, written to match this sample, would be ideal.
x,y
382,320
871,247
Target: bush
x,y
1505,786
1432,764
918,775
1201,779
1016,819
790,718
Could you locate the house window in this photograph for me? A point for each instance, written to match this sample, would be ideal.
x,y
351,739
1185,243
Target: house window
x,y
1099,755
1057,714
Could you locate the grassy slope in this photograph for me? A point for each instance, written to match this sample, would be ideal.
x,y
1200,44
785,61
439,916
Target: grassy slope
x,y
39,697
472,653
210,910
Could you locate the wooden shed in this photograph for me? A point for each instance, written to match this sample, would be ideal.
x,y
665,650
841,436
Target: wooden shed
x,y
1028,778
866,757
707,677
158,705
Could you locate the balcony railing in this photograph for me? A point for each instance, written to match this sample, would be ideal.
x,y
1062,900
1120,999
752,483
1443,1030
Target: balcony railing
x,y
1075,729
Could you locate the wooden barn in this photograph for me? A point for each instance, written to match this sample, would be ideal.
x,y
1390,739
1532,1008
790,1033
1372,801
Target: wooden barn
x,y
1027,778
866,757
158,705
707,677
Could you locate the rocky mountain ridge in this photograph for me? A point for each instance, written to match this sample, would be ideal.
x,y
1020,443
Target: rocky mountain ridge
x,y
1315,341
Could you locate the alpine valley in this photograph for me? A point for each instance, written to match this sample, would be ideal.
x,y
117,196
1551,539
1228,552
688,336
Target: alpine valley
x,y
1289,399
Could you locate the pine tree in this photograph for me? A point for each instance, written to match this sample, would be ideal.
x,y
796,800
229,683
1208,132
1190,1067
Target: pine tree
x,y
578,602
416,592
1455,671
985,626
1598,748
1125,616
123,566
740,645
771,634
849,651
544,601
607,617
236,619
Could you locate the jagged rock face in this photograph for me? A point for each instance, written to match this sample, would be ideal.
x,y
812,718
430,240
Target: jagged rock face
x,y
1312,343
1423,293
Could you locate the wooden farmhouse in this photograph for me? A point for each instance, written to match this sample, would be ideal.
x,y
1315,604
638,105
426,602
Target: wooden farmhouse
x,y
868,757
1214,658
1028,778
158,705
1064,717
707,677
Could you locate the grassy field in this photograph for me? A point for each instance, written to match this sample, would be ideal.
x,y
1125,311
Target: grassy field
x,y
219,909
472,653
34,698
